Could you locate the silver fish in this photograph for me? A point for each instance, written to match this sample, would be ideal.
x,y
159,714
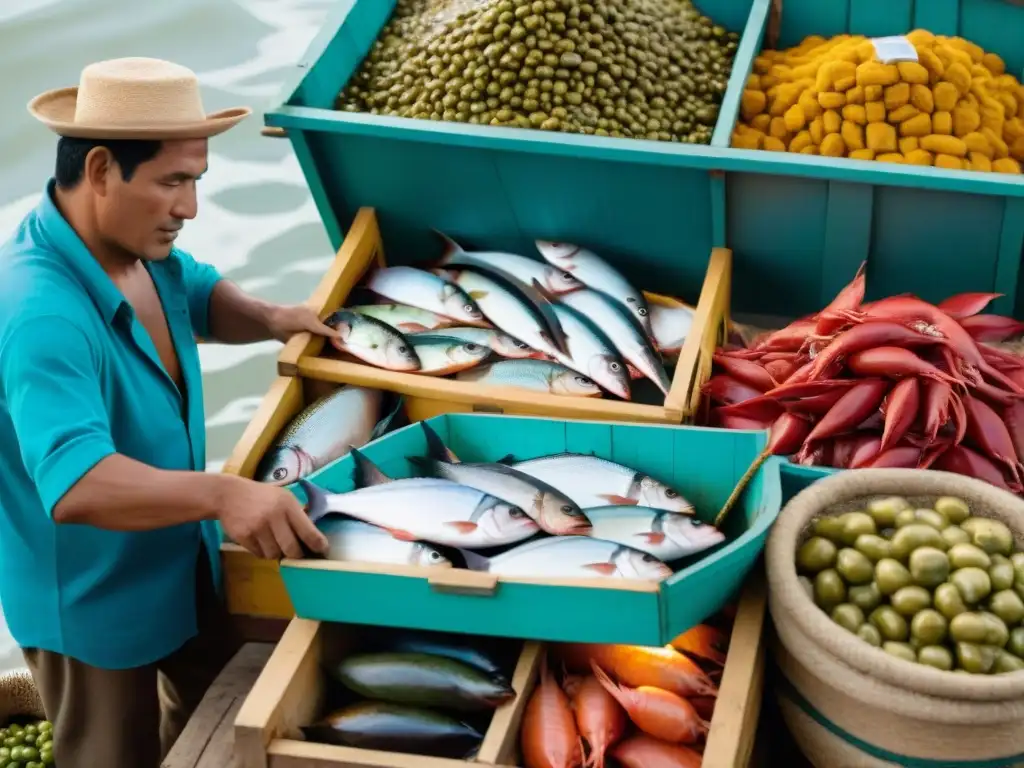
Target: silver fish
x,y
621,331
441,355
372,341
591,482
353,540
424,509
499,343
538,375
526,270
405,318
425,290
322,433
551,509
596,273
507,306
591,354
666,535
671,326
572,557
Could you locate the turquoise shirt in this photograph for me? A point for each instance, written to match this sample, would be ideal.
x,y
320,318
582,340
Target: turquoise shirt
x,y
80,379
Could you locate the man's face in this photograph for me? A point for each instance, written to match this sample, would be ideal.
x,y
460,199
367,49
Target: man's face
x,y
144,215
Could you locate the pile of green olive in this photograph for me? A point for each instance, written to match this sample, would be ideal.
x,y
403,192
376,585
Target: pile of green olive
x,y
647,69
933,586
27,746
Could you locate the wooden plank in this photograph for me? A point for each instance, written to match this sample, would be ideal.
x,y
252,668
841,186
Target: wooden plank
x,y
208,739
501,742
301,754
282,402
253,586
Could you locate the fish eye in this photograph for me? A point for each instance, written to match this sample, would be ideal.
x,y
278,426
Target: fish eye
x,y
582,380
471,347
614,367
641,311
436,557
520,345
631,299
571,511
671,493
649,558
516,513
568,278
280,473
403,349
695,523
469,308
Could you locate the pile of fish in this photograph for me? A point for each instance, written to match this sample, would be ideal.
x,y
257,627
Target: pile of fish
x,y
643,707
568,325
585,516
421,693
348,417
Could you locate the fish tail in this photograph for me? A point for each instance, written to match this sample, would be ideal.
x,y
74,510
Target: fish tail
x,y
436,449
451,248
316,501
366,473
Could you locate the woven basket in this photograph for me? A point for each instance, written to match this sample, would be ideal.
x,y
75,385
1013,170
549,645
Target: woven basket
x,y
850,704
18,696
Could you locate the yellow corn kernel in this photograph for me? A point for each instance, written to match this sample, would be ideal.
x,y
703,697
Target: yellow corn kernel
x,y
748,140
1013,129
979,162
912,72
761,122
767,81
754,83
808,102
979,89
853,135
965,119
795,119
992,117
752,103
921,97
865,52
801,140
844,83
785,98
897,95
832,100
782,72
824,79
999,147
979,71
905,112
854,95
1007,82
890,157
833,145
873,92
919,125
959,76
862,154
978,143
772,93
942,122
881,137
773,144
1006,165
832,121
946,96
778,128
918,157
1009,104
855,113
993,64
932,63
817,130
874,112
949,161
876,73
842,70
944,145
920,37
974,52
1017,150
908,144
762,64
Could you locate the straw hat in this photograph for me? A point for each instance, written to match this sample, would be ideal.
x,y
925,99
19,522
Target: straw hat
x,y
133,98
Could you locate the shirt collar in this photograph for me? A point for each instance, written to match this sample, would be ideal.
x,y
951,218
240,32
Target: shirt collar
x,y
66,243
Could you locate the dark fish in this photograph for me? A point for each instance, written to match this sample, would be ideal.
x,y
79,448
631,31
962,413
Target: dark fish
x,y
450,647
423,680
396,728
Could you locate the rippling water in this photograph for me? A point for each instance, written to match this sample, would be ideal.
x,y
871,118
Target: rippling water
x,y
256,223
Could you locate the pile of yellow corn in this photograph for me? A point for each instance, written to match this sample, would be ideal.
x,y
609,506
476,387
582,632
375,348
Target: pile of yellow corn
x,y
953,108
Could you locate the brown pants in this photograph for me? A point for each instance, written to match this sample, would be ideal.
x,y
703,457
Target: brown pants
x,y
130,718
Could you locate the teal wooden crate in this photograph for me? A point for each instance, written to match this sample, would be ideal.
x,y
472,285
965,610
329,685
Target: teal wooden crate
x,y
655,207
799,226
704,464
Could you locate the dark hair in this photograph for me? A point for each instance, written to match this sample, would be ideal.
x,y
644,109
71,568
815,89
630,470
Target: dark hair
x,y
129,154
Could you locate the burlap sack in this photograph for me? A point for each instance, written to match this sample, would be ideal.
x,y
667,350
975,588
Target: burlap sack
x,y
18,696
893,708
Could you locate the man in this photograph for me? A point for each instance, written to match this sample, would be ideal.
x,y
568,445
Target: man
x,y
104,507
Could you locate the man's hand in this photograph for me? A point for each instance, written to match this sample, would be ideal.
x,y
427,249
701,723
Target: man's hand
x,y
283,322
268,521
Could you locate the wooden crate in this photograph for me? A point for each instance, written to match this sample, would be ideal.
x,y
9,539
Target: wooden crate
x,y
427,396
289,693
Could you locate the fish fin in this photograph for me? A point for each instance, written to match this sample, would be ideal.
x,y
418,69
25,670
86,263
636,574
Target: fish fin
x,y
478,294
412,327
555,335
366,473
475,562
316,501
423,465
436,449
653,537
451,248
388,421
462,526
543,291
617,500
508,459
402,535
605,569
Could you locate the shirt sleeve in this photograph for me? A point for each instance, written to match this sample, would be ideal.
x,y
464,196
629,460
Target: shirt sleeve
x,y
52,389
200,280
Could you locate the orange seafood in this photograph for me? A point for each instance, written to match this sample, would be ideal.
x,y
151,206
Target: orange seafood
x,y
703,641
657,712
642,751
637,665
601,721
549,736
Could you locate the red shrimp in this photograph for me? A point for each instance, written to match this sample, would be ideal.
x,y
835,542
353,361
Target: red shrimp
x,y
991,327
900,411
849,298
937,395
746,372
894,362
966,304
867,335
788,433
964,461
657,712
988,432
852,408
727,390
599,717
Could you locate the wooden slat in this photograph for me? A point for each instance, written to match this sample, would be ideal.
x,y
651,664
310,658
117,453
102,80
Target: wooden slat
x,y
252,585
282,402
501,741
302,754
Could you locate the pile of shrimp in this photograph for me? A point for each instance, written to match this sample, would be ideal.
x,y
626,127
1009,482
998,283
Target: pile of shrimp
x,y
897,382
642,707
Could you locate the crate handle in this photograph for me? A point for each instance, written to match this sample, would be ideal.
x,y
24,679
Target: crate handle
x,y
272,132
459,581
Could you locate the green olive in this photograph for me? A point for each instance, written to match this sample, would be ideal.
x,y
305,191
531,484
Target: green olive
x,y
910,537
890,624
830,528
865,596
1017,558
1007,605
1006,662
954,534
816,554
854,524
891,576
909,600
948,601
1015,644
848,616
869,634
973,583
900,650
930,517
884,511
993,536
974,659
873,547
808,586
929,567
969,628
854,567
905,517
1001,576
955,510
829,589
998,633
968,556
937,656
928,627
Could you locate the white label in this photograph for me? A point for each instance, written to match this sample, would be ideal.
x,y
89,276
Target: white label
x,y
891,49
